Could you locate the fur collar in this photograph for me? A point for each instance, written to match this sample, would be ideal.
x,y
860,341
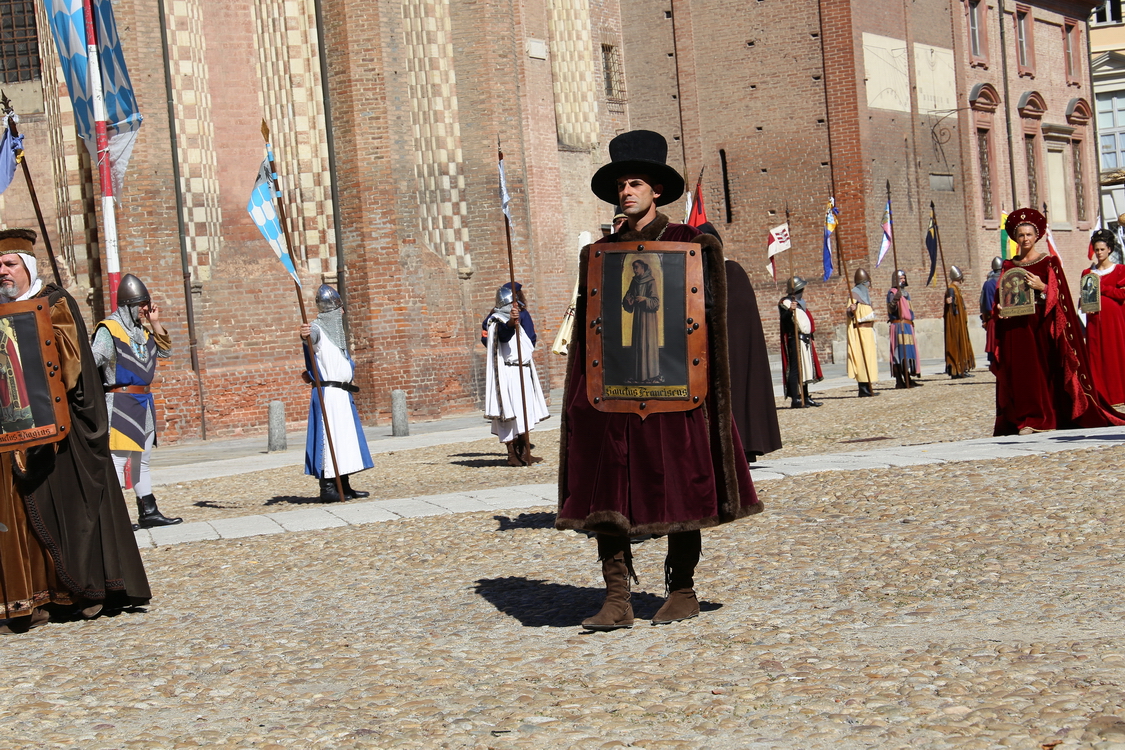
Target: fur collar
x,y
648,233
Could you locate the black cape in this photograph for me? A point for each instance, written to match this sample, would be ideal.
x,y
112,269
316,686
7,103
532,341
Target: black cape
x,y
751,384
73,498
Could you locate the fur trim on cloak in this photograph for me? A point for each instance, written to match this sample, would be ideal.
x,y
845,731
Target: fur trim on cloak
x,y
718,423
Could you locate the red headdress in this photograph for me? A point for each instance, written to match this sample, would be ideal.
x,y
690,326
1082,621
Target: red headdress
x,y
1026,216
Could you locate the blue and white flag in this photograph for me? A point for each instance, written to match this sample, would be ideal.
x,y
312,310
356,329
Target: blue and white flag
x,y
123,117
830,221
9,151
264,214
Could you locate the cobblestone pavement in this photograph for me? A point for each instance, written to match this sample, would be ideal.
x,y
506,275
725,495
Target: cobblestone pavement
x,y
940,411
965,605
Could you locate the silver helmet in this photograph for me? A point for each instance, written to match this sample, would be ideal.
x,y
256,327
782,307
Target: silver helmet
x,y
862,277
328,299
132,291
504,296
997,263
898,279
795,285
955,274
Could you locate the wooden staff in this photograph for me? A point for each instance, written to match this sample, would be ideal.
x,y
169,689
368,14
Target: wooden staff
x,y
275,184
937,238
796,328
14,131
525,454
891,221
847,289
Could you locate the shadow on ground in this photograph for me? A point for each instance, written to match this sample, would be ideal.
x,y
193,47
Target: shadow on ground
x,y
539,604
480,460
526,521
294,500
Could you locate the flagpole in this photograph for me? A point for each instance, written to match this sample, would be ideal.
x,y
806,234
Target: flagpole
x,y
526,453
101,141
276,187
941,253
848,291
891,221
796,329
14,131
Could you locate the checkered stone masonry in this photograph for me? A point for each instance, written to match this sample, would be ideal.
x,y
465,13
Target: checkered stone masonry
x,y
64,161
438,166
195,134
572,65
293,103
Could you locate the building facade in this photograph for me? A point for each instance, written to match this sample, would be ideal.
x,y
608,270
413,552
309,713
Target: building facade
x,y
784,105
386,115
385,119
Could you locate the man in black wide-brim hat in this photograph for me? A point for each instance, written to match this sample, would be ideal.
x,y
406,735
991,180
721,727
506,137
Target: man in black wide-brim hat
x,y
672,473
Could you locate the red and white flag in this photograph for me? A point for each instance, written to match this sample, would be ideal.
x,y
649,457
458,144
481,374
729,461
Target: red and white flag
x,y
778,242
697,214
1051,243
1097,226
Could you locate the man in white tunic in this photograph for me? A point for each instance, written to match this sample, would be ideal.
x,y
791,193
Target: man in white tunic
x,y
503,402
326,340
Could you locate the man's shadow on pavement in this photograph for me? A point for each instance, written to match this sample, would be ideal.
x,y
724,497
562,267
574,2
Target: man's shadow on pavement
x,y
296,500
526,521
538,604
480,460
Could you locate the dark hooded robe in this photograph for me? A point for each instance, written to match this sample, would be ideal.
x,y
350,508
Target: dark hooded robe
x,y
71,495
751,383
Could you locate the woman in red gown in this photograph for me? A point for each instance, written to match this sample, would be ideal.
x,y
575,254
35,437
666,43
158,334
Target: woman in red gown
x,y
1043,376
1105,330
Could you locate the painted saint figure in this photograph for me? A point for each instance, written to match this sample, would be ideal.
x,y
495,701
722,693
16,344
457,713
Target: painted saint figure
x,y
643,301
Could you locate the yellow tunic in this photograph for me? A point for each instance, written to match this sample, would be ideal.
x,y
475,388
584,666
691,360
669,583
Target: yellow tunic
x,y
863,366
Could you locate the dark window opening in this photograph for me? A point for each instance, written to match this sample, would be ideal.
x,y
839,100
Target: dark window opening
x,y
19,41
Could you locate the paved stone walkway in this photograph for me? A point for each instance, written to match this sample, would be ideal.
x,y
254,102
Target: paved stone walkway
x,y
525,496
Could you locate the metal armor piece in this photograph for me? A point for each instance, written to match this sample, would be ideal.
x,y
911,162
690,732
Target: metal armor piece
x,y
862,277
795,285
132,291
898,279
997,263
328,299
955,274
504,296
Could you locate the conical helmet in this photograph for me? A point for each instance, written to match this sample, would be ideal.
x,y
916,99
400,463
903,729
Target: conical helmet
x,y
132,291
955,274
862,277
328,299
997,263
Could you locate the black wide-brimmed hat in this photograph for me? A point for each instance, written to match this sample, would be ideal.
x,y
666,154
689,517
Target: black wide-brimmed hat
x,y
638,152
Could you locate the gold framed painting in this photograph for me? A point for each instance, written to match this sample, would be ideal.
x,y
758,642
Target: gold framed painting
x,y
1090,293
1016,296
33,406
646,327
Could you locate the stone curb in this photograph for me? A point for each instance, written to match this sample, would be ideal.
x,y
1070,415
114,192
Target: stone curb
x,y
535,495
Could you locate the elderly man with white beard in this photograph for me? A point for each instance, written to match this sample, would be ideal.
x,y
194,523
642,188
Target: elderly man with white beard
x,y
68,541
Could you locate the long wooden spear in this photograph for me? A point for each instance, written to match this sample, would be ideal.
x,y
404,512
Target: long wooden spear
x,y
891,221
848,291
937,238
525,453
796,329
13,130
276,187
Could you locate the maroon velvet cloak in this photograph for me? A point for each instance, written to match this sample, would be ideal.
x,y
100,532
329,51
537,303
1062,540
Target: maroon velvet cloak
x,y
1105,337
1043,377
671,472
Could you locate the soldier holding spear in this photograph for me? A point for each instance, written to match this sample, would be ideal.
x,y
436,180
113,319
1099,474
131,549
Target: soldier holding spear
x,y
330,370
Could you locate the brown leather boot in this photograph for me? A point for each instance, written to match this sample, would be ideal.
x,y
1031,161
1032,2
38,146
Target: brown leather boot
x,y
679,568
38,616
617,566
